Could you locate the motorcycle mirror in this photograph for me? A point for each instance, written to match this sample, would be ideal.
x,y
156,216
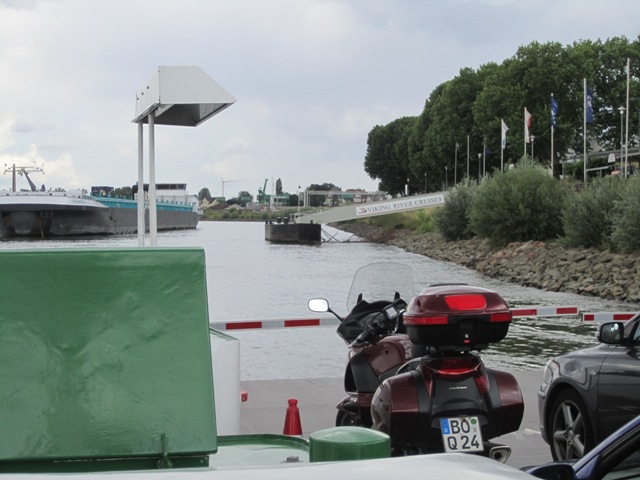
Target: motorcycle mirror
x,y
319,305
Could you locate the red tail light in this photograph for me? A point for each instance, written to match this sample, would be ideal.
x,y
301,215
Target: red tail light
x,y
452,367
463,302
428,383
481,384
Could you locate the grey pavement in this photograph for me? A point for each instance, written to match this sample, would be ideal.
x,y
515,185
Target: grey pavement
x,y
266,406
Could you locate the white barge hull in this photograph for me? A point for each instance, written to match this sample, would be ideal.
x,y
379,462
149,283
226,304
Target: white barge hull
x,y
58,215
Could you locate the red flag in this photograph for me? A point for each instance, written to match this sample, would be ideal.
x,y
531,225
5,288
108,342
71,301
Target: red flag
x,y
527,124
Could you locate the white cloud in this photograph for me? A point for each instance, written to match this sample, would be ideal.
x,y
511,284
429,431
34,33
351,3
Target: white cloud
x,y
312,77
6,138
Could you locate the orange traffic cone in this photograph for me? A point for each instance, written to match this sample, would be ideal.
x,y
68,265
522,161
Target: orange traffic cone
x,y
292,425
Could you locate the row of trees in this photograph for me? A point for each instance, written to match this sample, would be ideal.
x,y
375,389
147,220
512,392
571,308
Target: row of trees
x,y
525,203
471,106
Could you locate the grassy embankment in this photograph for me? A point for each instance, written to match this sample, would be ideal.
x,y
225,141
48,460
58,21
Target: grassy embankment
x,y
247,215
416,220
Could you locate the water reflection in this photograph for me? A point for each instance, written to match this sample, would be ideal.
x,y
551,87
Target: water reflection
x,y
532,341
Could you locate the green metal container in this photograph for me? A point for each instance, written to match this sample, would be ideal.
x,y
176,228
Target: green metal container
x,y
105,359
348,443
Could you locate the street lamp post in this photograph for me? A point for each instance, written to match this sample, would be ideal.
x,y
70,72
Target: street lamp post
x,y
425,182
621,110
446,177
479,162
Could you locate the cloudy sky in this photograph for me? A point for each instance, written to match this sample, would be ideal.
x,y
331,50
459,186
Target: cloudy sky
x,y
311,79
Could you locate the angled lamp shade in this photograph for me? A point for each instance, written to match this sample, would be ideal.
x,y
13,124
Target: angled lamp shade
x,y
182,96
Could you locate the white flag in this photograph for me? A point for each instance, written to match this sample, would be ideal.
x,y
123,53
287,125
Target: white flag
x,y
527,124
505,129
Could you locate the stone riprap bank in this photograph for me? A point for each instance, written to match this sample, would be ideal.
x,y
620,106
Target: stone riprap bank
x,y
547,266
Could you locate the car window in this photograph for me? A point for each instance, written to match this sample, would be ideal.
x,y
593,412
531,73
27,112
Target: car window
x,y
628,468
636,334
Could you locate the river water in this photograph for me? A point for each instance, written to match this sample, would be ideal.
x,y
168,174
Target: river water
x,y
251,279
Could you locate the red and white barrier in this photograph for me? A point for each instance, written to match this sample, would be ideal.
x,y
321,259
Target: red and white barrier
x,y
542,311
263,324
519,312
601,317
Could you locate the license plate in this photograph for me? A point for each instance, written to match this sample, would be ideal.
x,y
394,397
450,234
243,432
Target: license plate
x,y
461,434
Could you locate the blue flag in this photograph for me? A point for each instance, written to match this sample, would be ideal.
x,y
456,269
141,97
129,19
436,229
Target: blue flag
x,y
589,105
554,110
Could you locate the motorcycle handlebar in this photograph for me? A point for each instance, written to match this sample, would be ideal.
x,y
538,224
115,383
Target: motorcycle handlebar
x,y
383,323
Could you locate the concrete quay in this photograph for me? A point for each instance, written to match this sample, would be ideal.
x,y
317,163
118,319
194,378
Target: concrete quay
x,y
266,405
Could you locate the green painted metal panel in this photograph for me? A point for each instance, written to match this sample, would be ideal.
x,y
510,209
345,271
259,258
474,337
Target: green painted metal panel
x,y
103,353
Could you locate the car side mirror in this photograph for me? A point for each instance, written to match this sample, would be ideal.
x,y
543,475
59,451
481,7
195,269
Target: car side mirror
x,y
553,471
611,333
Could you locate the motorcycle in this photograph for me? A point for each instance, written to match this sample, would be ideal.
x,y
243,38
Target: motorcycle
x,y
373,330
447,399
433,393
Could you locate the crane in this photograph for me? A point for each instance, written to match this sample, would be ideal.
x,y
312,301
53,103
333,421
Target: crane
x,y
262,194
22,171
227,181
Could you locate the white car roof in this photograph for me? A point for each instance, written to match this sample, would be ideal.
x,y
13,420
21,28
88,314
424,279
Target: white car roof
x,y
454,466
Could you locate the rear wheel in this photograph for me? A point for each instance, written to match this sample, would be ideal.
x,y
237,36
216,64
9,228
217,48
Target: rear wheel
x,y
346,419
570,434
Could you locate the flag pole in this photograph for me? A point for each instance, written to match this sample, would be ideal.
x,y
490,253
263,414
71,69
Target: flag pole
x,y
455,167
584,133
467,157
552,123
501,149
484,157
626,140
524,113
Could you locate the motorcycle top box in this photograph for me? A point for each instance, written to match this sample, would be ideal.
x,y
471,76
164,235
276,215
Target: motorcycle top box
x,y
454,317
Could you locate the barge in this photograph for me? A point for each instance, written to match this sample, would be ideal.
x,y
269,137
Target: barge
x,y
44,214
